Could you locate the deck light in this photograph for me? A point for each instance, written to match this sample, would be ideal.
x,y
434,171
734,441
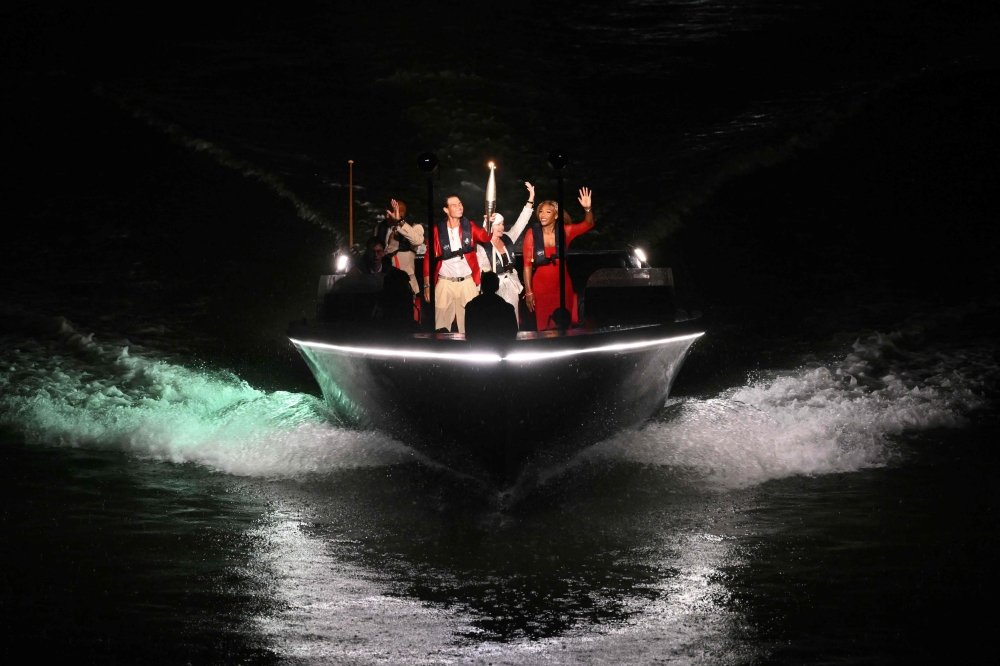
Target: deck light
x,y
558,160
341,263
427,162
640,255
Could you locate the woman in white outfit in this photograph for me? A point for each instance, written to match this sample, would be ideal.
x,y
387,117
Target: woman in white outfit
x,y
502,249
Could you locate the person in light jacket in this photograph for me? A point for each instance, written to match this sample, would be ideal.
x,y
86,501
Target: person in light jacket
x,y
502,251
401,240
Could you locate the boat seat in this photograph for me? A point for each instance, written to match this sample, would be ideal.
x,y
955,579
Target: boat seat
x,y
628,297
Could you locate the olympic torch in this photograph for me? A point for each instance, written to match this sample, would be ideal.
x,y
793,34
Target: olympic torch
x,y
491,208
491,198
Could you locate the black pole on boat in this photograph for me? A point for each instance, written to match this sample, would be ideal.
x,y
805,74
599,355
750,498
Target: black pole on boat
x,y
562,316
428,163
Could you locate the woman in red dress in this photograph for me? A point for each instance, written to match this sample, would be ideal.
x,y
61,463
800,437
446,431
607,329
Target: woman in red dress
x,y
541,263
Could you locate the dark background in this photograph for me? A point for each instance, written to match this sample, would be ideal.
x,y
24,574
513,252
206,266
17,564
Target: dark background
x,y
174,179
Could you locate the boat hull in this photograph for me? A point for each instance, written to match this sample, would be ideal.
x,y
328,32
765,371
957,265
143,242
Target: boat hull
x,y
536,401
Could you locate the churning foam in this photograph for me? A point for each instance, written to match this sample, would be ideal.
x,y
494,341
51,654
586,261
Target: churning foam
x,y
823,418
86,395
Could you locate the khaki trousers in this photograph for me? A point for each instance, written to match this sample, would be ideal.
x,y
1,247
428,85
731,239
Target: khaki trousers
x,y
450,299
405,261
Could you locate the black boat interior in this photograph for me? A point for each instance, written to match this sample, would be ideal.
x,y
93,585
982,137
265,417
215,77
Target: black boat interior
x,y
612,286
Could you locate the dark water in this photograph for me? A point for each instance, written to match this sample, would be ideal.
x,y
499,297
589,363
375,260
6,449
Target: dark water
x,y
819,489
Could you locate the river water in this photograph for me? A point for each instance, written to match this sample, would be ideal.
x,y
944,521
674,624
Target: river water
x,y
819,488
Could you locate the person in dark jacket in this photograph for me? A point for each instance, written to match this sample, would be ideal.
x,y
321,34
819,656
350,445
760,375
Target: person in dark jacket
x,y
371,261
488,317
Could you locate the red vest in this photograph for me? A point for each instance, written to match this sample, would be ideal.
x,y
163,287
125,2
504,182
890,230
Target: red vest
x,y
478,235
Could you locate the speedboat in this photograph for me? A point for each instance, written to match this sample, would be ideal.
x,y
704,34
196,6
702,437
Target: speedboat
x,y
496,409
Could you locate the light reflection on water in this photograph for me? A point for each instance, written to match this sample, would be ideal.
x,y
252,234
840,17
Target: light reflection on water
x,y
581,574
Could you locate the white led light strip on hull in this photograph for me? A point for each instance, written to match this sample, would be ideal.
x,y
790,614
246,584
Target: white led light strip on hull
x,y
621,346
486,357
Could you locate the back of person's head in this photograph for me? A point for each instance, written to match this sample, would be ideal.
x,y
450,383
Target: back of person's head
x,y
489,283
396,302
396,284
